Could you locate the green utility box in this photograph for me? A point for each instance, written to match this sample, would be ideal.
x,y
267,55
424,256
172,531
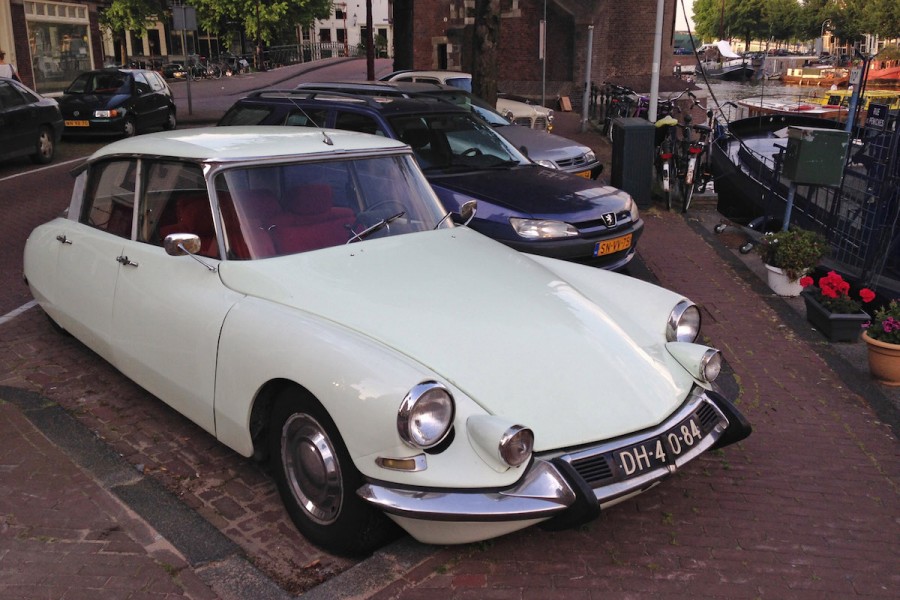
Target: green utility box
x,y
815,156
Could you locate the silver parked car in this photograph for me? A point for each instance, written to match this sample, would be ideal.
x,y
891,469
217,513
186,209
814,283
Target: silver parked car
x,y
546,149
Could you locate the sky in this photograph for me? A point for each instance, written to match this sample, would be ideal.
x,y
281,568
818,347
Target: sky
x,y
679,14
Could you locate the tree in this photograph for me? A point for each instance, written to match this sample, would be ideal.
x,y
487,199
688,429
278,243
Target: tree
x,y
484,50
130,15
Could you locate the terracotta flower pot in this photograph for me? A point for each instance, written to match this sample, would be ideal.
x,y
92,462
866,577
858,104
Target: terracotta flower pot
x,y
884,360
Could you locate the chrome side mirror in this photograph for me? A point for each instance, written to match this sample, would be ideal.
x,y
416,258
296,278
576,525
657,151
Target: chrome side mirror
x,y
467,211
179,244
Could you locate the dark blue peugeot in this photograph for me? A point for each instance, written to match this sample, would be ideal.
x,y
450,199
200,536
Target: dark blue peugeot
x,y
528,207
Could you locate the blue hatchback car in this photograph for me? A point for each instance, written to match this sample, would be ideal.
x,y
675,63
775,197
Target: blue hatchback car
x,y
120,102
521,204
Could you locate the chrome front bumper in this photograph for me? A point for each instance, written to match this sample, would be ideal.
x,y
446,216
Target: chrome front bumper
x,y
556,482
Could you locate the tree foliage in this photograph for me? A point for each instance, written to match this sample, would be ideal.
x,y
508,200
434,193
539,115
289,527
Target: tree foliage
x,y
132,15
795,20
267,20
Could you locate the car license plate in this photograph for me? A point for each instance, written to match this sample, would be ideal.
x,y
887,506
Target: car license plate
x,y
78,123
585,174
662,450
614,245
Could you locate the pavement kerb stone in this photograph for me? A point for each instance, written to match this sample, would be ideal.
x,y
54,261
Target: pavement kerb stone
x,y
176,530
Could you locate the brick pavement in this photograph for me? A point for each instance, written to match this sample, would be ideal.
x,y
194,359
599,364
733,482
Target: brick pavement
x,y
805,508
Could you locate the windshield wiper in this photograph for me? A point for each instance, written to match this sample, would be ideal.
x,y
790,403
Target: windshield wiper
x,y
376,227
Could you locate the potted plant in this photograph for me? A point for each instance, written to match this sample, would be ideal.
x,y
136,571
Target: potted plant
x,y
832,310
788,256
882,337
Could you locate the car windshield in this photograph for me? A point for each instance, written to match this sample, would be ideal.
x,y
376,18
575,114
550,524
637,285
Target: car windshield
x,y
277,210
104,82
463,83
457,142
472,103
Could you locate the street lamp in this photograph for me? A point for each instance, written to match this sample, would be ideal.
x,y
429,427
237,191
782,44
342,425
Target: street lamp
x,y
822,36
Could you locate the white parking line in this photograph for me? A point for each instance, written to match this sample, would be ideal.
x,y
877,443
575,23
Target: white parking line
x,y
15,313
33,171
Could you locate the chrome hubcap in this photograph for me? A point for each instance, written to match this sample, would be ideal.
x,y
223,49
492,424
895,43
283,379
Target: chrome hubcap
x,y
311,467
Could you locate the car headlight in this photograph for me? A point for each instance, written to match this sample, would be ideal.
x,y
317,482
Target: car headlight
x,y
499,442
534,229
702,362
426,415
108,114
633,210
516,445
546,163
550,115
590,156
683,324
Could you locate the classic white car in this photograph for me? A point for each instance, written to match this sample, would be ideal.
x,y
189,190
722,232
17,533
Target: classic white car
x,y
303,296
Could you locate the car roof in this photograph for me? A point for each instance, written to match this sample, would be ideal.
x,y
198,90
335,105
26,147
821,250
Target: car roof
x,y
389,105
246,142
433,73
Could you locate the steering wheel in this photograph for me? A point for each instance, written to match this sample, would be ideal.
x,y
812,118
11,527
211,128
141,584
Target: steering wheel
x,y
471,152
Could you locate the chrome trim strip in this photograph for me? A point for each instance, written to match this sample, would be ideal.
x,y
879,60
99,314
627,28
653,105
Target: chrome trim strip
x,y
540,494
543,491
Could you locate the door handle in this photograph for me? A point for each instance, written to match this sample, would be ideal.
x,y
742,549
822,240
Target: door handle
x,y
63,239
124,261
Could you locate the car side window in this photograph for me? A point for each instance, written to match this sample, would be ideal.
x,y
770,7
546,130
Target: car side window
x,y
175,200
9,96
245,115
156,83
140,84
109,201
357,122
307,118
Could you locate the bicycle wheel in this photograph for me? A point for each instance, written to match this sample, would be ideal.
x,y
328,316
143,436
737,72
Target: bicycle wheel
x,y
215,71
686,198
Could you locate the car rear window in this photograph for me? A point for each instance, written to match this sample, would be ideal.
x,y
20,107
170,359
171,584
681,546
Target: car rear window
x,y
246,115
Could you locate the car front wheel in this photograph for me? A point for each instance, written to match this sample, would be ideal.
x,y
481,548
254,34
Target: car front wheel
x,y
130,128
170,122
45,146
318,482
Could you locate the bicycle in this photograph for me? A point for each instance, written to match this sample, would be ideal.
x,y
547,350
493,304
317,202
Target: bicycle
x,y
203,69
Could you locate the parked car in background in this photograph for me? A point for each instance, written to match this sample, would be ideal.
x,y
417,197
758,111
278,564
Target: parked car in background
x,y
527,207
302,295
520,113
30,125
117,102
173,71
543,147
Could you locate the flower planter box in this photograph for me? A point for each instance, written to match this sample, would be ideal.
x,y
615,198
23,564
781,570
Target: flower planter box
x,y
836,327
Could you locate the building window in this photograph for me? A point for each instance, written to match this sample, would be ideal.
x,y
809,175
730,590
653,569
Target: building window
x,y
59,41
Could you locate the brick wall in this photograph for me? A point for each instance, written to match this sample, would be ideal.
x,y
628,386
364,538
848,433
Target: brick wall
x,y
622,42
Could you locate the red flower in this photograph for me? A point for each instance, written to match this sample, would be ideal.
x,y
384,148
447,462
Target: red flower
x,y
866,295
806,281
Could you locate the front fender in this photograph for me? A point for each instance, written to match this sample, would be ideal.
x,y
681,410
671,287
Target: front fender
x,y
359,381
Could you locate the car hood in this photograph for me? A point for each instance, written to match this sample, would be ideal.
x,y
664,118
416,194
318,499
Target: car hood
x,y
540,144
494,323
73,102
537,192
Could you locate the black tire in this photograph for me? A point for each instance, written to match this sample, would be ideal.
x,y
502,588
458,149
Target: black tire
x,y
130,127
317,480
45,146
171,122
